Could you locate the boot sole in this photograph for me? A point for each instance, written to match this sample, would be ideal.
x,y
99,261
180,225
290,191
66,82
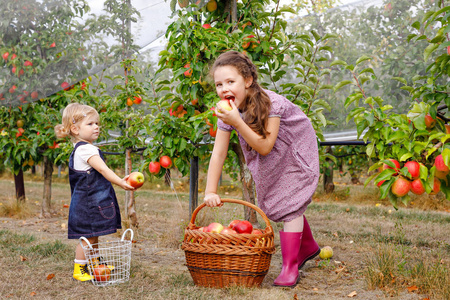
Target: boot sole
x,y
309,258
289,286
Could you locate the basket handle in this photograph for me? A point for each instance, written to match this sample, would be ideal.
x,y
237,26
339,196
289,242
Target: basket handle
x,y
263,215
86,241
125,232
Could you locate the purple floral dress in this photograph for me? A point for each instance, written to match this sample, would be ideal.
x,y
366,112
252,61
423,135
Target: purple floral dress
x,y
287,177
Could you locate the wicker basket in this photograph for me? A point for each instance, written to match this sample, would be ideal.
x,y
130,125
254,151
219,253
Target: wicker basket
x,y
221,260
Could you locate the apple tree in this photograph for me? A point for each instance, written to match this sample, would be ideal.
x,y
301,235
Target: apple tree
x,y
183,122
420,135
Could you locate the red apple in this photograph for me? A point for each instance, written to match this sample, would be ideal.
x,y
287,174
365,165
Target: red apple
x,y
228,230
436,186
401,187
214,227
165,161
102,273
440,165
212,132
12,89
13,69
65,86
53,45
5,55
413,169
448,50
243,227
154,167
245,45
34,95
440,174
380,183
417,187
137,100
54,146
13,56
188,72
129,102
385,166
206,26
429,122
27,63
257,231
136,179
20,132
232,223
225,104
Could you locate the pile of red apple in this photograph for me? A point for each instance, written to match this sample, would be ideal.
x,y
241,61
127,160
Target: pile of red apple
x,y
413,181
235,227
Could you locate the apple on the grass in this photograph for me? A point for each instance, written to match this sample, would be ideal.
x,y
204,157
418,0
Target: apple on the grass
x,y
214,227
326,252
243,227
136,179
102,273
225,104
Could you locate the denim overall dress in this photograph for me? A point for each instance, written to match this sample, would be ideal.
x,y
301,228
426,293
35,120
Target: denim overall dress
x,y
94,210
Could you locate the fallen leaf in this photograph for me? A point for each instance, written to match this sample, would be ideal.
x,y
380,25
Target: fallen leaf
x,y
347,210
336,234
315,289
23,258
33,294
50,276
412,288
295,297
66,205
352,294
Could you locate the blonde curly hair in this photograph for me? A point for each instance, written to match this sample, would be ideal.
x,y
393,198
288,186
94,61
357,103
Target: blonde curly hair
x,y
72,115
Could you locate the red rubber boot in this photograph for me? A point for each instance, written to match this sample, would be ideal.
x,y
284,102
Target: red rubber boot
x,y
309,247
290,247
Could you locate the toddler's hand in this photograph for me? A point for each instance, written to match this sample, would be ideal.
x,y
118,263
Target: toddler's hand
x,y
212,200
124,184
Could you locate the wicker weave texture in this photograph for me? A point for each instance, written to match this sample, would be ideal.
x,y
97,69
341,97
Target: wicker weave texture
x,y
222,260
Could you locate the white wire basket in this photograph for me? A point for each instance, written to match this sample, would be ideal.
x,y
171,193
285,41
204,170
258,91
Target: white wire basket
x,y
109,262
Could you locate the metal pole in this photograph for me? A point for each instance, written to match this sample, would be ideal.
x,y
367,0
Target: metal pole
x,y
193,185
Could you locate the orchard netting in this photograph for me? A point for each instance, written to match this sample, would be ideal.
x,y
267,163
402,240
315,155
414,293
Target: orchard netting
x,y
49,45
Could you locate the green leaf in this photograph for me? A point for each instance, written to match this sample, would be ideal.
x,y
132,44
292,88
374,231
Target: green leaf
x,y
341,84
429,50
338,62
362,58
401,79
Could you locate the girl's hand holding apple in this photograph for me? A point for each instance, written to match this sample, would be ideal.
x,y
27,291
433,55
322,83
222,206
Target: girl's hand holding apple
x,y
230,117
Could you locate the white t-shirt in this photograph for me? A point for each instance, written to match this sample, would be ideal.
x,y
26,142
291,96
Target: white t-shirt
x,y
82,155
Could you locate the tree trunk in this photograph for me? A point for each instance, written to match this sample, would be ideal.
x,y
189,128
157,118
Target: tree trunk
x,y
248,187
20,186
130,211
328,184
47,197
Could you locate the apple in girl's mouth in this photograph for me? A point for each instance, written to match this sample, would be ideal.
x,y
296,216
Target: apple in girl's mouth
x,y
225,104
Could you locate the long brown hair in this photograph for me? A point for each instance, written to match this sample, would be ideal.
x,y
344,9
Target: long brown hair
x,y
256,106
